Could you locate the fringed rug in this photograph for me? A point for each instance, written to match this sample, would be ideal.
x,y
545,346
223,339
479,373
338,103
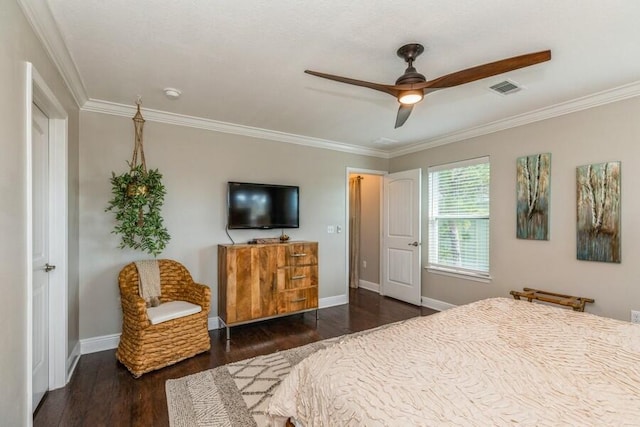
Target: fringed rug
x,y
235,394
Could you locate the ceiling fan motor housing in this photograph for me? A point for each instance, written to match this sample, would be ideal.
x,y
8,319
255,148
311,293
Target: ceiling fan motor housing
x,y
410,76
409,53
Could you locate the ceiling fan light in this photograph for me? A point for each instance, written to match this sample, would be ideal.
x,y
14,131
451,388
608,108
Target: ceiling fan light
x,y
410,97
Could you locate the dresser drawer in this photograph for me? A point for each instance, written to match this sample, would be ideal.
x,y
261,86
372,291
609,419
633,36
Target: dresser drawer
x,y
300,254
304,276
297,299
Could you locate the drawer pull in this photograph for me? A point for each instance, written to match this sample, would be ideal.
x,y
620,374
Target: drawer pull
x,y
298,255
298,300
303,276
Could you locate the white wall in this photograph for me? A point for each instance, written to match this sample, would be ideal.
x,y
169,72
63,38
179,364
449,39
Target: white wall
x,y
19,44
606,133
196,165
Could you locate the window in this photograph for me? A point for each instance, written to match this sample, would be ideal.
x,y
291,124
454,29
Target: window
x,y
459,217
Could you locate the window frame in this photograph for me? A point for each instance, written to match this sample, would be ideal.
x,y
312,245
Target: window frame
x,y
458,271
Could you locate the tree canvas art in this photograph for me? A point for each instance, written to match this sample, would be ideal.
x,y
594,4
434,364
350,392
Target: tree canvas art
x,y
598,212
533,188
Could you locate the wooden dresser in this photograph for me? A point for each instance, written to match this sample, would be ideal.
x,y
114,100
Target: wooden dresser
x,y
261,281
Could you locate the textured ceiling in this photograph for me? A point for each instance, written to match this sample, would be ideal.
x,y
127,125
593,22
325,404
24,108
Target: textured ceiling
x,y
242,62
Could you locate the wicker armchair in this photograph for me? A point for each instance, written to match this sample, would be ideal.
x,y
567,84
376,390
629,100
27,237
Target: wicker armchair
x,y
145,347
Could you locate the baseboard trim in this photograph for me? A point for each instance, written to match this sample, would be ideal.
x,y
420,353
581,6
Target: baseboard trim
x,y
370,286
109,342
101,343
72,362
435,304
215,323
333,301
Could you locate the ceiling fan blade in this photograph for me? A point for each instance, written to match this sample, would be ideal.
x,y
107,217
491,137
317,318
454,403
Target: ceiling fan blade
x,y
481,71
375,86
403,114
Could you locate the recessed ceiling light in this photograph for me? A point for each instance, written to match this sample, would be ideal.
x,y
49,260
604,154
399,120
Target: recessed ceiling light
x,y
172,93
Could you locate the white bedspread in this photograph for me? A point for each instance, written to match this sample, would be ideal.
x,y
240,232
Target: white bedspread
x,y
491,363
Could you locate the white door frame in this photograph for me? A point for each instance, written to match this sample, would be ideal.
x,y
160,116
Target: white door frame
x,y
38,92
350,171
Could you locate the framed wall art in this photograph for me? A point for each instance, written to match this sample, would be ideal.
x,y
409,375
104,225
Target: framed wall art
x,y
598,212
533,192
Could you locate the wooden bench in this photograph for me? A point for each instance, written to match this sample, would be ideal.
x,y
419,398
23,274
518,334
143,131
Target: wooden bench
x,y
577,303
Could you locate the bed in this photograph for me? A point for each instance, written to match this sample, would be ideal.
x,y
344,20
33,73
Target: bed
x,y
490,363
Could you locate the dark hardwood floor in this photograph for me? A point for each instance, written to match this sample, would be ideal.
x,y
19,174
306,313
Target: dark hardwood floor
x,y
103,393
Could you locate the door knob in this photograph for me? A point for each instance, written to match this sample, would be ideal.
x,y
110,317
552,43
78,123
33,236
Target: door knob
x,y
413,244
48,267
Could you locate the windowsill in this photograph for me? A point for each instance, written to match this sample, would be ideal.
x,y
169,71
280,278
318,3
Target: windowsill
x,y
459,275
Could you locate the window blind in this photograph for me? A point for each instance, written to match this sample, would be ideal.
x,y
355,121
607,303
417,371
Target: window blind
x,y
459,217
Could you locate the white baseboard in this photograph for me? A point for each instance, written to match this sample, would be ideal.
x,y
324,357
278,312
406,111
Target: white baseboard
x,y
333,301
72,362
370,286
101,343
435,304
109,342
215,323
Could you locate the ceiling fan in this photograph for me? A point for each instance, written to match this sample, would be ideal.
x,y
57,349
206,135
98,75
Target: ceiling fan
x,y
411,87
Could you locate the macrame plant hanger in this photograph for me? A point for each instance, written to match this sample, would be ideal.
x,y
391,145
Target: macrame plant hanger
x,y
136,189
138,122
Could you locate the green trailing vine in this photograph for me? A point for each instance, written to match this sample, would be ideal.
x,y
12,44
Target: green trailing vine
x,y
137,201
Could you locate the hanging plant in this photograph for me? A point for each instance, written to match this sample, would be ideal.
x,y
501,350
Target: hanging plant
x,y
137,201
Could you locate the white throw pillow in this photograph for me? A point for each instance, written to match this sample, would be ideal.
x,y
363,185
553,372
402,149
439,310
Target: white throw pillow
x,y
171,310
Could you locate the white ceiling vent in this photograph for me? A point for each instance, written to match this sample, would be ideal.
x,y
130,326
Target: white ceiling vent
x,y
506,87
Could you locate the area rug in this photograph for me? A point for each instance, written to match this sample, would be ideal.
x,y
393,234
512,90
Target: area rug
x,y
235,394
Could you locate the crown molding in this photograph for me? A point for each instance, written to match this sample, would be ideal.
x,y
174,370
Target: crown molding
x,y
115,109
44,25
41,19
597,99
600,98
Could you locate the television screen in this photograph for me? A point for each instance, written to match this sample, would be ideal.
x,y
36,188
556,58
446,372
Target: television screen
x,y
262,205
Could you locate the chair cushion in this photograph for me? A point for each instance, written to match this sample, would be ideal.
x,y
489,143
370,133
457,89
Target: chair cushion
x,y
171,310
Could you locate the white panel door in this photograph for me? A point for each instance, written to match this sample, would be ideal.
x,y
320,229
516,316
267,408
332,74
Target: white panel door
x,y
40,213
401,236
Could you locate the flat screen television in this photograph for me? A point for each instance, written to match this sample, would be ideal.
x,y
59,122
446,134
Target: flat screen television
x,y
262,206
